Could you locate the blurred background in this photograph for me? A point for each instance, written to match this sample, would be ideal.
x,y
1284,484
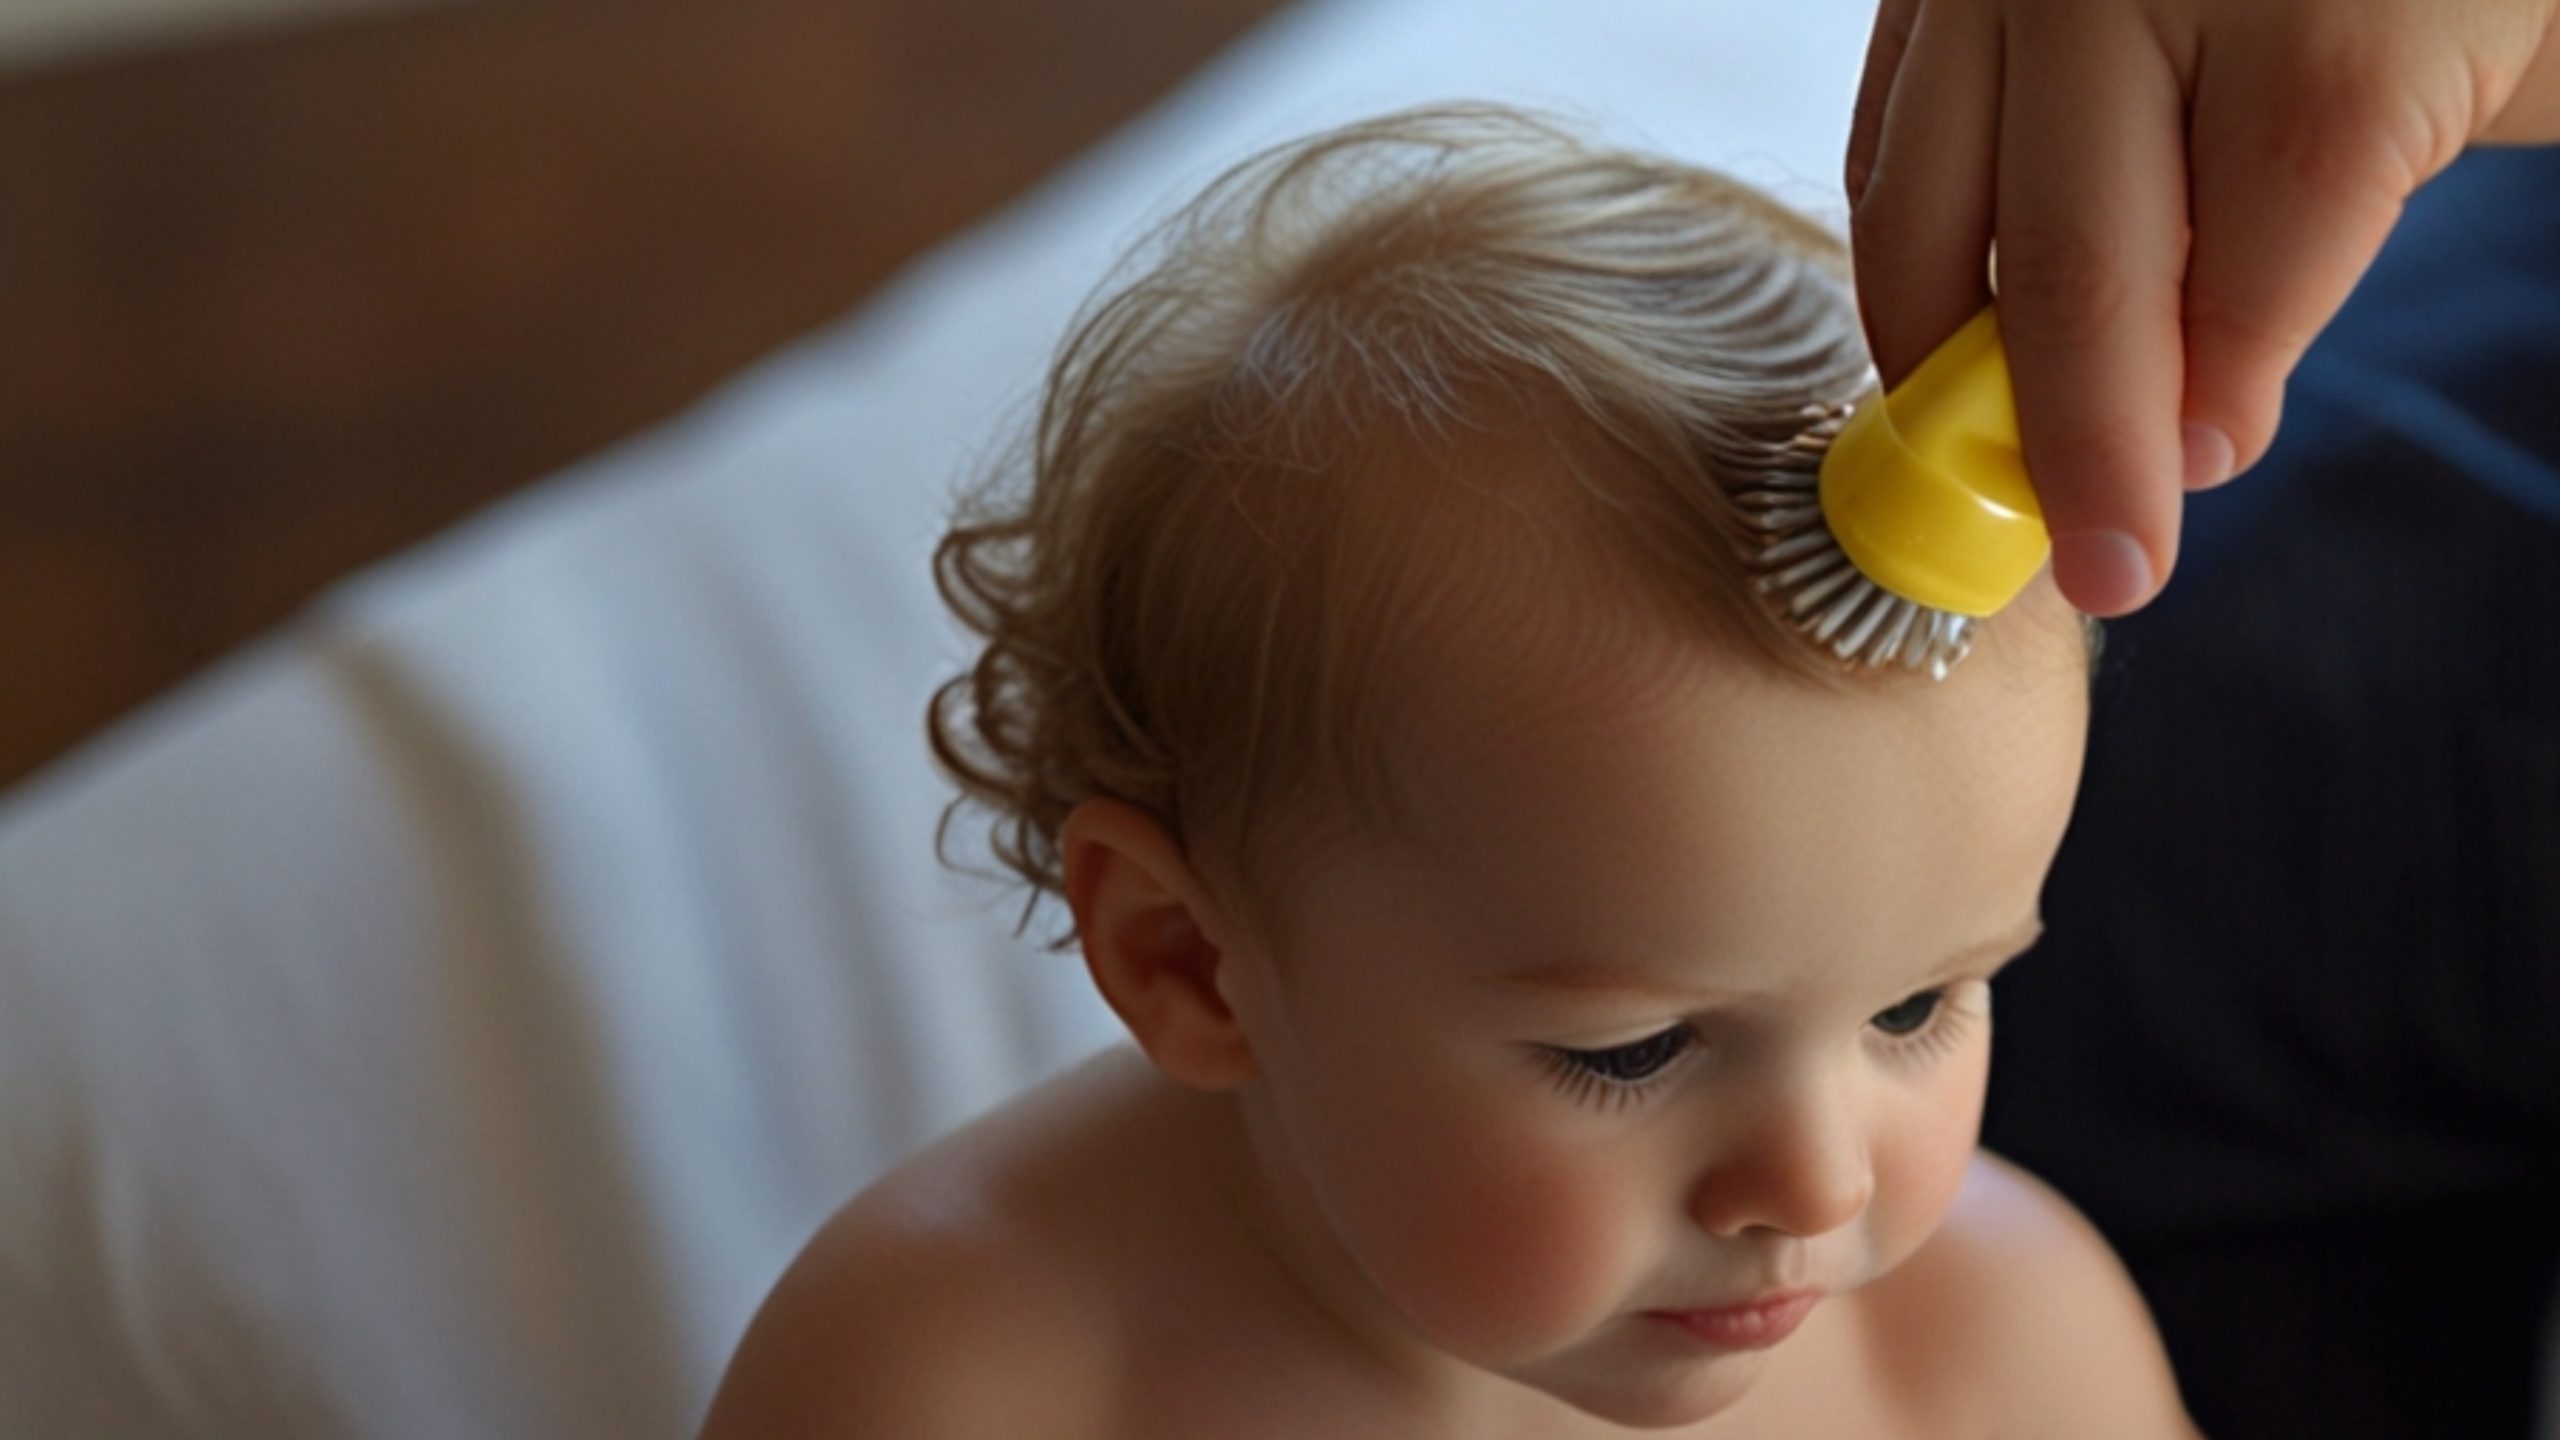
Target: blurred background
x,y
288,284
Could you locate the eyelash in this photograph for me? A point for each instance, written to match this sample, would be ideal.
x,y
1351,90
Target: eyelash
x,y
1584,1074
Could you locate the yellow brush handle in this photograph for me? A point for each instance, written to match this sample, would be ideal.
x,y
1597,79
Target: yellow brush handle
x,y
1927,491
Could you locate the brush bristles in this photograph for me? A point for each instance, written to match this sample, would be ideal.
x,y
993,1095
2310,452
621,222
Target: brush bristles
x,y
1812,581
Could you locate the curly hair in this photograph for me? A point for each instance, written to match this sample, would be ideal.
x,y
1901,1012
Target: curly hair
x,y
1244,512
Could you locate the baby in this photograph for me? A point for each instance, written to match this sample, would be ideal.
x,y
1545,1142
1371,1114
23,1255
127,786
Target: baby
x,y
1560,990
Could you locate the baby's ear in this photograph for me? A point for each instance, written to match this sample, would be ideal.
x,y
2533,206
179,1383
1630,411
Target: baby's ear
x,y
1145,921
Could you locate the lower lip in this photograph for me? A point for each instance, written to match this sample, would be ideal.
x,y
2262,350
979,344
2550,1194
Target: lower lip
x,y
1744,1327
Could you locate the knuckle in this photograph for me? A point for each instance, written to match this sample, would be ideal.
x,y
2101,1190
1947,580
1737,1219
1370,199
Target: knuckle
x,y
2106,457
2229,335
2351,116
2340,144
2066,281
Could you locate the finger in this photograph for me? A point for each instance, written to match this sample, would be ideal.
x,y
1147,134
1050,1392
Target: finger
x,y
2530,114
2292,201
1920,237
1884,56
2092,233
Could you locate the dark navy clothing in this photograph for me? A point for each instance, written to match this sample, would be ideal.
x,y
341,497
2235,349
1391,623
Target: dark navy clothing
x,y
2293,1037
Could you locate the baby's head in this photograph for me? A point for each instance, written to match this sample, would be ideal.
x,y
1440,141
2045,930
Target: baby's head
x,y
1374,663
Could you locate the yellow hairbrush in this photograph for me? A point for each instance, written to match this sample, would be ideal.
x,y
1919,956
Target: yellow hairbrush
x,y
1919,519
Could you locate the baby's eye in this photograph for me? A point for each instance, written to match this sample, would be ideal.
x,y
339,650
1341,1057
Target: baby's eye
x,y
1911,1016
1631,1063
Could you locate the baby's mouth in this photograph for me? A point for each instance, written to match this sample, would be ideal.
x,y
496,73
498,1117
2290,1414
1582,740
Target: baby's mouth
x,y
1754,1324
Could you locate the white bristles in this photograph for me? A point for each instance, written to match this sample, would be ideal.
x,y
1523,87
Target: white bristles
x,y
1812,582
1803,542
1869,618
1904,612
1819,589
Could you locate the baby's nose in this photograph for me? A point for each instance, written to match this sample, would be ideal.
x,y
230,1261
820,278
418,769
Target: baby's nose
x,y
1804,1170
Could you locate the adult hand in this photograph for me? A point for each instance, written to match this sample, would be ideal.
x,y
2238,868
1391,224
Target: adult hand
x,y
2181,192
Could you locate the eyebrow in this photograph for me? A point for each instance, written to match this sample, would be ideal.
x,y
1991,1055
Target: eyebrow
x,y
1585,978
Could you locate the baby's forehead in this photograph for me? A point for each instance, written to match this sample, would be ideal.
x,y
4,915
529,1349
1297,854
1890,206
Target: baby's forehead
x,y
1740,826
1684,743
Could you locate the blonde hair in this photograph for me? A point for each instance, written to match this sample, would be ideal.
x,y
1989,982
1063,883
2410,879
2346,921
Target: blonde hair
x,y
1240,524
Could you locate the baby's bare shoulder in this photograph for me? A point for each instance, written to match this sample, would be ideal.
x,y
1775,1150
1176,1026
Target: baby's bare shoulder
x,y
2019,1294
898,1319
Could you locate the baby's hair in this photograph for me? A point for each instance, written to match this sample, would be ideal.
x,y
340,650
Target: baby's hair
x,y
1265,488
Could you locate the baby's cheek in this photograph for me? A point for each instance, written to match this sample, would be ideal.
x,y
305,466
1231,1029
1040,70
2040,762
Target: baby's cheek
x,y
1495,1247
1920,1164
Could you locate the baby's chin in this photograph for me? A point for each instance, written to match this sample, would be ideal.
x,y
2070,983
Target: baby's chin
x,y
1644,1381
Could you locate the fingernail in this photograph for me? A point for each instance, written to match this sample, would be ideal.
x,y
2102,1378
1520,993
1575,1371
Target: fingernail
x,y
2101,571
2209,454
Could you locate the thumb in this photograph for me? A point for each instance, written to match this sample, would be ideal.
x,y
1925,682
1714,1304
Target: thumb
x,y
2290,204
